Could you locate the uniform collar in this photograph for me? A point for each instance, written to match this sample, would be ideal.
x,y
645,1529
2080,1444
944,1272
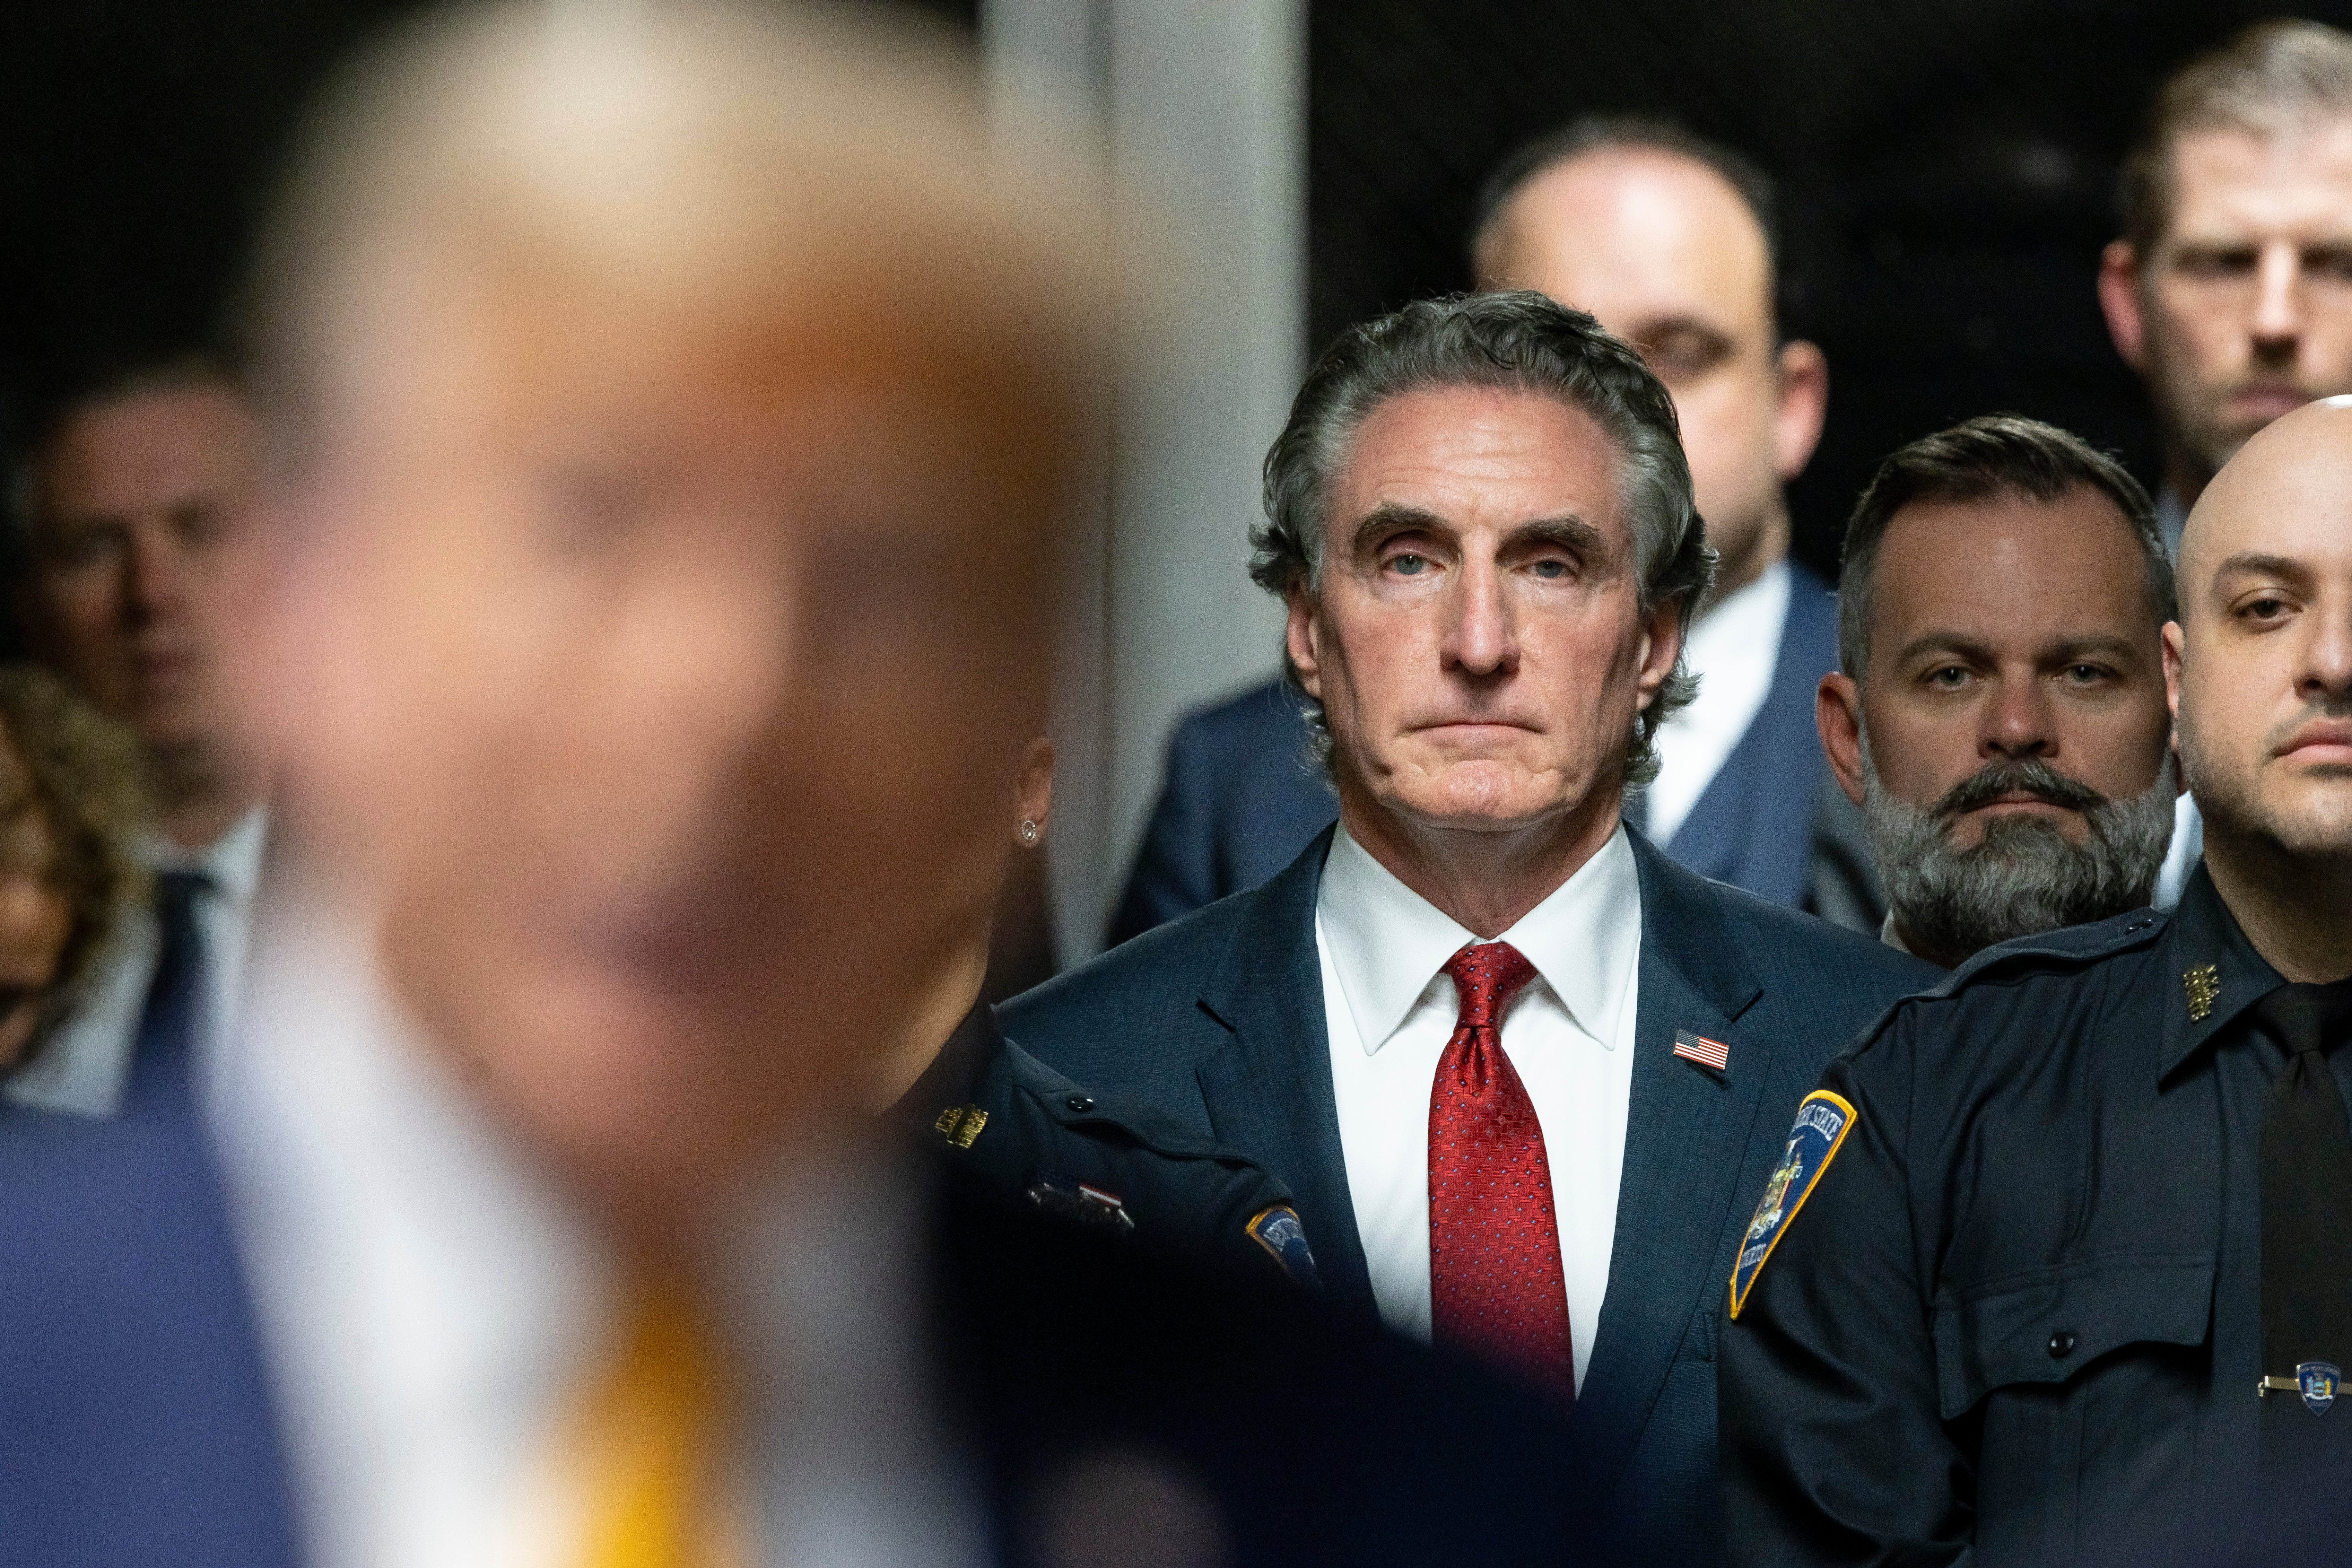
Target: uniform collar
x,y
954,1075
1388,942
2213,973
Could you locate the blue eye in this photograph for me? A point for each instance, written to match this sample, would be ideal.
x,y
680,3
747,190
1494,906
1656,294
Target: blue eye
x,y
1408,565
1551,569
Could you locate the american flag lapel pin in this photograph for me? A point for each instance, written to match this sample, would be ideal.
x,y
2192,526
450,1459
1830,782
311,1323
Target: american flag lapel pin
x,y
1713,1055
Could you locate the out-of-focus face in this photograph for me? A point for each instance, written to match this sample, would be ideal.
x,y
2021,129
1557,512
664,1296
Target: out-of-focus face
x,y
36,918
143,547
2260,662
658,665
2007,631
2245,312
1666,253
1476,638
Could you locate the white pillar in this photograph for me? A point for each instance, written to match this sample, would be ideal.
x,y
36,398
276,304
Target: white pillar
x,y
1203,107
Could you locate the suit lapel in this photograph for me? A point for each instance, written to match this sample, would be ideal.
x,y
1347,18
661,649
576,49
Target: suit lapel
x,y
1269,1089
1671,1208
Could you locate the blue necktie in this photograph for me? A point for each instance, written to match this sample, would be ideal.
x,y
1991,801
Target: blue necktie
x,y
163,1056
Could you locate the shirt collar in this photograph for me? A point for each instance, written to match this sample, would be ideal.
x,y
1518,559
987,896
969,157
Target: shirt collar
x,y
2218,973
232,862
1388,942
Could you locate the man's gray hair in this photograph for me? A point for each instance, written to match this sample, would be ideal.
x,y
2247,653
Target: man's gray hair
x,y
1517,342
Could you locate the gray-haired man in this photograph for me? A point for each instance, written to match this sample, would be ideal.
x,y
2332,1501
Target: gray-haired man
x,y
2000,713
1514,1062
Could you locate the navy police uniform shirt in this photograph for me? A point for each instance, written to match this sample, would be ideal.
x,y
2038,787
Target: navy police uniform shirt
x,y
2001,1299
1113,1167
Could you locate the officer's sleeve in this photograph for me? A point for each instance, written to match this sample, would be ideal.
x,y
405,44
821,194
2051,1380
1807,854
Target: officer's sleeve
x,y
1833,1448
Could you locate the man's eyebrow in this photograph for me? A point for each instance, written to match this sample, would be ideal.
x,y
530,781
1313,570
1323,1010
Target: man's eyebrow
x,y
1959,643
1569,533
2070,648
2254,564
1393,516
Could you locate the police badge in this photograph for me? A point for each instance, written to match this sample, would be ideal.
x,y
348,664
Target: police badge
x,y
2318,1381
1822,1122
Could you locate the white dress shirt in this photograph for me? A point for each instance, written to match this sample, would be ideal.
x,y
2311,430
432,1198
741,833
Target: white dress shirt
x,y
432,1312
1391,1010
82,1068
1734,648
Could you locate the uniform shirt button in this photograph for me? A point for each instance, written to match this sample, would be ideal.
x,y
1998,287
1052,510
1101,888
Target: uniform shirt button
x,y
2062,1345
1081,1102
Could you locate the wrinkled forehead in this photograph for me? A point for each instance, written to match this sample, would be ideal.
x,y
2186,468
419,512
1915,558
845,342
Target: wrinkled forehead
x,y
2235,183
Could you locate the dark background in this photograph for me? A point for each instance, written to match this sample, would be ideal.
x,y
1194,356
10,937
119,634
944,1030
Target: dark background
x,y
1946,168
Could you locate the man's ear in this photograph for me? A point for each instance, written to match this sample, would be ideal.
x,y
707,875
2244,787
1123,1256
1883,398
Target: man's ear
x,y
1303,640
2176,648
1837,714
2119,300
1804,402
1662,644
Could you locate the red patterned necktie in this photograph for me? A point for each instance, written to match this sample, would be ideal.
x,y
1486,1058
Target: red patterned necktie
x,y
1496,1283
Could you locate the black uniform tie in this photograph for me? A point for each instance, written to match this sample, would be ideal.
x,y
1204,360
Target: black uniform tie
x,y
2306,1184
161,1059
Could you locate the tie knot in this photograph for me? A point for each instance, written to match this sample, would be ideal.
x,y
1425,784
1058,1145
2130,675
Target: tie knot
x,y
176,891
2309,1018
1487,976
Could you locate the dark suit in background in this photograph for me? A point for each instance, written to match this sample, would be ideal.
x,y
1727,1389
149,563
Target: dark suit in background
x,y
1242,796
1220,1019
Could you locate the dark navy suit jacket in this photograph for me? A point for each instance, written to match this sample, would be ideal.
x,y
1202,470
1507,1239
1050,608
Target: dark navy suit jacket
x,y
1219,1018
137,1424
1242,797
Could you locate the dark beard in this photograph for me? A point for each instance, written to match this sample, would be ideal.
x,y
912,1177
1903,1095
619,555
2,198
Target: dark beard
x,y
2023,878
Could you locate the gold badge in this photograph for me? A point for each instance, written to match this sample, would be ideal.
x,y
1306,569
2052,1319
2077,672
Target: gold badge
x,y
2203,984
960,1124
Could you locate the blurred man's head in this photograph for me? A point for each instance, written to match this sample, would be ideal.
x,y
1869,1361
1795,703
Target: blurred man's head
x,y
1482,525
676,413
138,514
2261,669
2001,712
1671,242
2231,291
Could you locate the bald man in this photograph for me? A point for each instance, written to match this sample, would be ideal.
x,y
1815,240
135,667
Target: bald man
x,y
673,411
2074,1253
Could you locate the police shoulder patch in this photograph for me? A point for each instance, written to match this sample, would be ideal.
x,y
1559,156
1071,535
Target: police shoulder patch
x,y
1277,1229
1822,1122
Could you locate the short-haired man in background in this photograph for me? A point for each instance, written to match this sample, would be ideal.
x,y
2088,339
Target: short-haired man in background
x,y
2055,1265
1479,983
2229,290
1672,242
137,506
1999,713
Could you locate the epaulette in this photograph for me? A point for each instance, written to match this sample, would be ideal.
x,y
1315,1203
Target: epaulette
x,y
2069,947
1073,1105
2066,947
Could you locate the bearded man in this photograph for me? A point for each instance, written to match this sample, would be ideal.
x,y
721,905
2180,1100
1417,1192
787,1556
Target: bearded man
x,y
1999,715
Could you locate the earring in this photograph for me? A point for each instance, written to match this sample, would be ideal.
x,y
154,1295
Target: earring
x,y
1029,831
